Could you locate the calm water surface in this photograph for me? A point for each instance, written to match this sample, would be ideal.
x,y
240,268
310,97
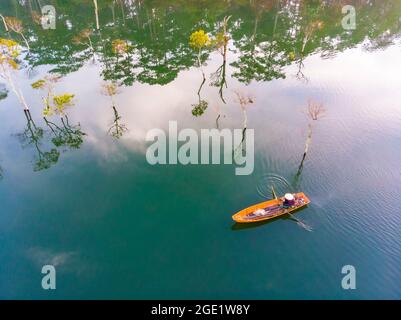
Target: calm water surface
x,y
116,227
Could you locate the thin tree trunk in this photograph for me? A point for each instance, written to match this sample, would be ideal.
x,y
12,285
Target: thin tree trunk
x,y
217,121
306,39
245,124
307,144
4,21
92,49
223,82
25,40
96,14
16,90
113,13
39,4
203,74
122,10
116,118
48,124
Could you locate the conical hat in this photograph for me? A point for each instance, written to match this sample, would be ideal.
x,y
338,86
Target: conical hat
x,y
289,197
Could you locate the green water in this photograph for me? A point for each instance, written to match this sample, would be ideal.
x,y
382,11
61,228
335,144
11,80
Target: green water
x,y
114,226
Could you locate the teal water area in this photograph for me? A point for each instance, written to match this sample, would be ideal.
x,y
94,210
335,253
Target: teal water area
x,y
79,194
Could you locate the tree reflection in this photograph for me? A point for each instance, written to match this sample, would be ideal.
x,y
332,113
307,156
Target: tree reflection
x,y
244,101
15,25
265,33
84,38
221,45
199,40
314,112
9,63
65,134
118,128
32,136
3,92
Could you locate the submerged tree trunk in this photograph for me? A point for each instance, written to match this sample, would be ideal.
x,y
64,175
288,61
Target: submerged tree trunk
x,y
245,123
116,118
28,115
307,144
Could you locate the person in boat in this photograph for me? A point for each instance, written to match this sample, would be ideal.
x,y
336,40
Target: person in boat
x,y
289,200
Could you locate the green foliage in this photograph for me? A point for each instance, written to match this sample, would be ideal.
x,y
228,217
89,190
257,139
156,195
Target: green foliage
x,y
219,40
62,102
3,92
38,84
66,135
46,160
158,35
48,111
199,108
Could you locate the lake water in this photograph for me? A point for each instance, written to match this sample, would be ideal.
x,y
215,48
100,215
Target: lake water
x,y
77,192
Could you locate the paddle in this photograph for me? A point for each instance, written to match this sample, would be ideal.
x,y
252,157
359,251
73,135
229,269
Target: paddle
x,y
274,193
299,222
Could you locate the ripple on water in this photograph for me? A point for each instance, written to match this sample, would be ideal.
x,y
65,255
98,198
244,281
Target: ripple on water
x,y
269,180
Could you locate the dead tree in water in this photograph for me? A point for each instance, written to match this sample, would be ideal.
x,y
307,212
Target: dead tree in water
x,y
244,101
314,111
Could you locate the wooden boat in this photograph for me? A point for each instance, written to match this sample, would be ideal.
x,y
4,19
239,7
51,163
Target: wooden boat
x,y
271,209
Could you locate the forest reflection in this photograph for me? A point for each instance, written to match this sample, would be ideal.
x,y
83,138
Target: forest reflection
x,y
151,42
147,41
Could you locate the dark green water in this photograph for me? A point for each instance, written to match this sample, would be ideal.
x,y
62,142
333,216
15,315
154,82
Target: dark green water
x,y
116,227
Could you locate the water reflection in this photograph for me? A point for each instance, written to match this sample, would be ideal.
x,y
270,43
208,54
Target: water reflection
x,y
3,92
118,128
65,134
142,48
33,136
266,35
150,42
314,112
